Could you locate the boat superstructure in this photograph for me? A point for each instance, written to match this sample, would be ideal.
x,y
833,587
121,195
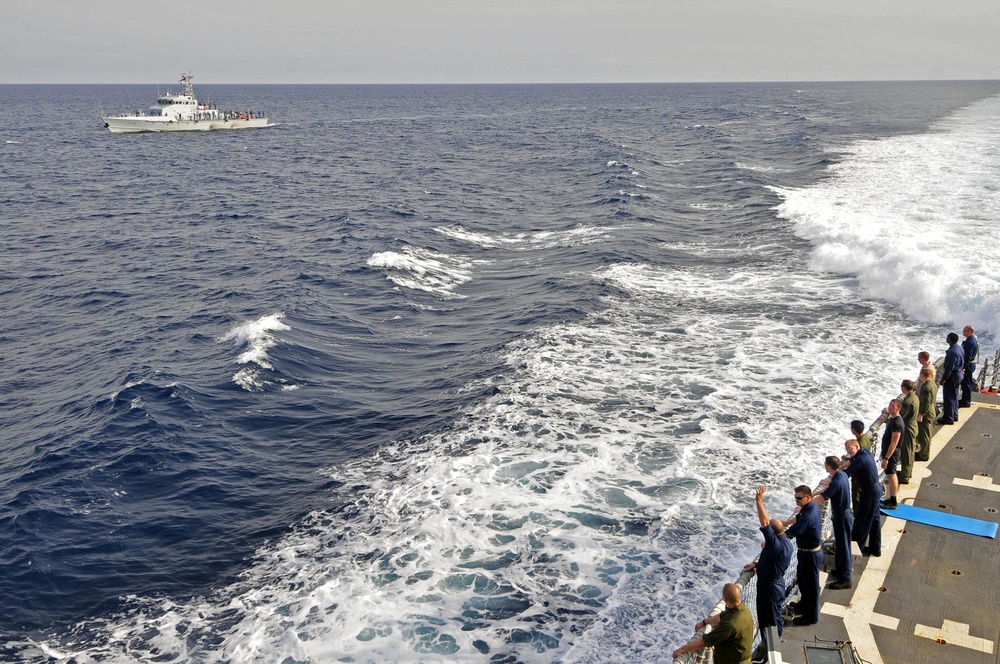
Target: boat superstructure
x,y
183,112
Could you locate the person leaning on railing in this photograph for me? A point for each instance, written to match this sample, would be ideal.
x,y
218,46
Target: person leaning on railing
x,y
860,466
732,636
806,528
771,565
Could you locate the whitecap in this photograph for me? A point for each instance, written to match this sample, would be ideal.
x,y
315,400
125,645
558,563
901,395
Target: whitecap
x,y
421,269
256,338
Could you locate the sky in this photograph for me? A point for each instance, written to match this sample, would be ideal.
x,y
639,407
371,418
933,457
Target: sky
x,y
496,41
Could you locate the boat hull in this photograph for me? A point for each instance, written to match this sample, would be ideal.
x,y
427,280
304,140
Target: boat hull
x,y
135,125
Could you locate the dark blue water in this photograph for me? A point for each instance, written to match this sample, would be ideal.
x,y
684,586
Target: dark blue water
x,y
219,346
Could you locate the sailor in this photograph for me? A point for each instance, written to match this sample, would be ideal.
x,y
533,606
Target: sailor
x,y
865,441
909,412
806,528
928,411
971,349
952,375
732,638
771,565
892,437
838,492
924,358
860,467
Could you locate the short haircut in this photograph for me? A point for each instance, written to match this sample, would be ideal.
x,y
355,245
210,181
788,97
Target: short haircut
x,y
924,356
929,372
731,592
970,329
857,426
804,490
833,462
952,338
908,384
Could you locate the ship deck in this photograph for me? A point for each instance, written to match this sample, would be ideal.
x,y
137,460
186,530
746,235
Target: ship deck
x,y
934,594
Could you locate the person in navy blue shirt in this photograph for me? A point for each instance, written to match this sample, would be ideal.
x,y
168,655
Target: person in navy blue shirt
x,y
860,466
806,529
838,492
771,565
952,375
970,347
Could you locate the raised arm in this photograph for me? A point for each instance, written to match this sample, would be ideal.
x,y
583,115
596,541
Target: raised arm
x,y
761,511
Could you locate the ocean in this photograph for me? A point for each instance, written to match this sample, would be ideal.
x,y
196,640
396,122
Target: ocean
x,y
453,373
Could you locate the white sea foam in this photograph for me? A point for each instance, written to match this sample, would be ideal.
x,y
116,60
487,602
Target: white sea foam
x,y
915,218
755,168
256,338
572,237
425,270
129,385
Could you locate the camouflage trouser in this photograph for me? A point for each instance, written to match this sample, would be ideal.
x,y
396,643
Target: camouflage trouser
x,y
925,431
906,456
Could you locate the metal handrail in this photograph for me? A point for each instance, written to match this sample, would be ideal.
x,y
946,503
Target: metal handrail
x,y
985,371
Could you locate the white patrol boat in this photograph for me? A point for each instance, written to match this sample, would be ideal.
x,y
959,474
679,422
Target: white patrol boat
x,y
182,112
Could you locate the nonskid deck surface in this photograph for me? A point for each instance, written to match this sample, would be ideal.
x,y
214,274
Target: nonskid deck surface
x,y
934,594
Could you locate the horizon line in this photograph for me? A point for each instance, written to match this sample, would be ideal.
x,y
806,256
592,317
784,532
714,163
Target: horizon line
x,y
526,83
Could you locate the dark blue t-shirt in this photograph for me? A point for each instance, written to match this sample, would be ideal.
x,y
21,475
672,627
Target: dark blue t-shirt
x,y
838,493
863,469
774,557
807,529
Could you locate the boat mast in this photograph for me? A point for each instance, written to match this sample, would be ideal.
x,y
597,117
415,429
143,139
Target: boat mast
x,y
186,81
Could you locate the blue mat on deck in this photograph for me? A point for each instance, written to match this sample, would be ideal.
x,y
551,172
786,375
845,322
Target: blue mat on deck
x,y
962,524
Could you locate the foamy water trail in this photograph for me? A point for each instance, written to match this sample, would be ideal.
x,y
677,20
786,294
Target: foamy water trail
x,y
589,510
915,217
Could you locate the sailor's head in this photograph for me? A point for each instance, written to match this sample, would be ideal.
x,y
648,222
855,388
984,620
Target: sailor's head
x,y
731,595
923,357
852,446
894,406
968,331
952,338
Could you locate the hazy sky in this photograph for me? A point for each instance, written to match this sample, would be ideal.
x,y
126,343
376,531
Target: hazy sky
x,y
473,41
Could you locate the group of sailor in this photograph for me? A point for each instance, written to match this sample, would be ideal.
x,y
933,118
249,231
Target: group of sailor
x,y
854,491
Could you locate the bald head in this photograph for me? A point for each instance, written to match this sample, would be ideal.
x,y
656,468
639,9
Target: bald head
x,y
777,527
731,594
